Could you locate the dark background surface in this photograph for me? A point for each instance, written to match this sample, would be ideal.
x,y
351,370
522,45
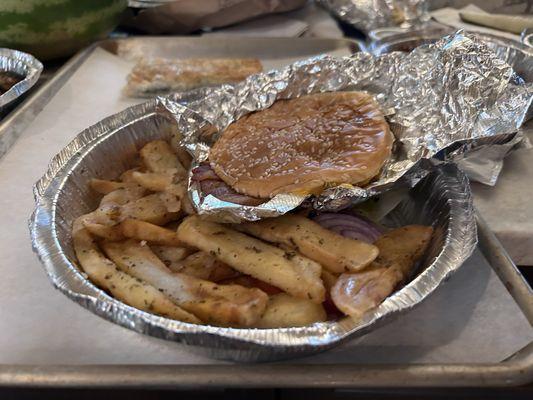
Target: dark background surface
x,y
275,394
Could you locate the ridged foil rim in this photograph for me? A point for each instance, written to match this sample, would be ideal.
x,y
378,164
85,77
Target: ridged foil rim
x,y
22,64
449,190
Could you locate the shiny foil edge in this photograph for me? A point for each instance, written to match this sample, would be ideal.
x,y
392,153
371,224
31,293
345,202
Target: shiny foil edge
x,y
445,194
22,64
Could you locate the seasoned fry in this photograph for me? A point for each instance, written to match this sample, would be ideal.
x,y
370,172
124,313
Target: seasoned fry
x,y
201,265
291,272
104,186
400,249
157,156
229,305
329,279
284,311
127,176
123,195
124,287
142,230
171,254
149,209
112,233
187,206
171,201
154,181
334,252
132,228
248,281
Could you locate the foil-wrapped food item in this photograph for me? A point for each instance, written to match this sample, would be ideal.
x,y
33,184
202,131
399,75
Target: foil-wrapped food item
x,y
439,99
18,73
367,15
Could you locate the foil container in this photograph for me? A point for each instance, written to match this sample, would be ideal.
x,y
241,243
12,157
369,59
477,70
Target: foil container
x,y
482,159
367,15
441,199
22,64
440,99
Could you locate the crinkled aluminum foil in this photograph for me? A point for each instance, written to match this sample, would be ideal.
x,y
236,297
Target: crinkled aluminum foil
x,y
367,15
442,199
443,96
482,159
21,64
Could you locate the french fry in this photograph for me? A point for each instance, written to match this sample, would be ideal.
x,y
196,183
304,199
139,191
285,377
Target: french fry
x,y
149,209
329,279
400,249
131,228
171,201
122,286
112,233
157,156
186,205
104,186
248,281
127,176
124,195
154,181
227,305
284,311
171,255
291,272
403,246
106,214
142,230
334,252
203,266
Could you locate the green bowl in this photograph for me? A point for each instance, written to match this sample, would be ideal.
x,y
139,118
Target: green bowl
x,y
56,28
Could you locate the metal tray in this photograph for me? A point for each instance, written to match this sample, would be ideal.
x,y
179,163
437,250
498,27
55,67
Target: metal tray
x,y
517,370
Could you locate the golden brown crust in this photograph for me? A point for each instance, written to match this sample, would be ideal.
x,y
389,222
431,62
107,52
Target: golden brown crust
x,y
302,145
158,76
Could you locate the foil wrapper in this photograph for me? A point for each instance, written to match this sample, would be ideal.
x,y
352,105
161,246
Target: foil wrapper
x,y
441,199
367,15
22,64
481,159
439,98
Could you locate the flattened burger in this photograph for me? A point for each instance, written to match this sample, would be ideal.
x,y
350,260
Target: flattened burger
x,y
303,145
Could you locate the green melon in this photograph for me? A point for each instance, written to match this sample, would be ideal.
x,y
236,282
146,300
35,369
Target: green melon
x,y
56,28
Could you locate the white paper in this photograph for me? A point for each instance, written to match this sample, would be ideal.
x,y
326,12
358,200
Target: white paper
x,y
472,318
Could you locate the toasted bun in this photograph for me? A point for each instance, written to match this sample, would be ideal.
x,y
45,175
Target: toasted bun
x,y
301,145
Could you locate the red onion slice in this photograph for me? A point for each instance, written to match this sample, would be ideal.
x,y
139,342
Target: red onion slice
x,y
350,226
204,172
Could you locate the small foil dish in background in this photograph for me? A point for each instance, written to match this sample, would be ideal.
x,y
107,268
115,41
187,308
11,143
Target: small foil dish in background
x,y
443,99
367,15
23,65
442,199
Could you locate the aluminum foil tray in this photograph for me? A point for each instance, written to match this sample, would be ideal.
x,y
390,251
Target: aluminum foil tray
x,y
23,64
441,199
